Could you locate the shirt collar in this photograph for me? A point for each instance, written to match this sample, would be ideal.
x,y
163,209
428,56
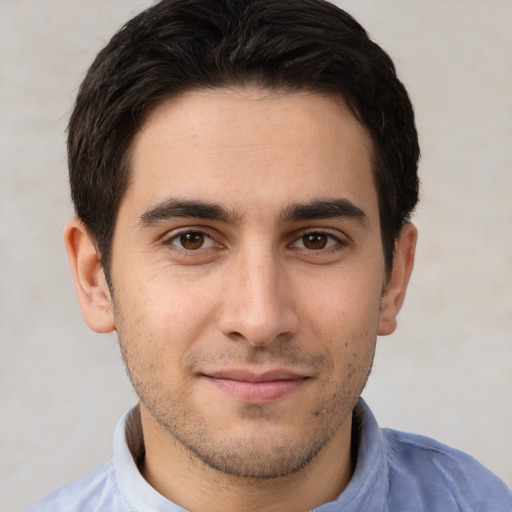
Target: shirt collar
x,y
368,486
366,490
128,450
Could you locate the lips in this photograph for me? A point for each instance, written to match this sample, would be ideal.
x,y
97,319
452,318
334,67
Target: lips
x,y
257,388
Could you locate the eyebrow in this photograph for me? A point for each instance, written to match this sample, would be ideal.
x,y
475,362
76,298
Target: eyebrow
x,y
186,208
316,209
325,209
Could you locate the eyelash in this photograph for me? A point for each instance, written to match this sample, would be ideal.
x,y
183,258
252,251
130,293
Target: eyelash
x,y
169,242
337,243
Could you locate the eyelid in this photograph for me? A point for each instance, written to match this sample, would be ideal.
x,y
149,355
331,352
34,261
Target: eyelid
x,y
341,242
331,240
333,233
340,238
171,236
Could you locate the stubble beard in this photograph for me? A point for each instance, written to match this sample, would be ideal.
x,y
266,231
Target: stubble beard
x,y
246,455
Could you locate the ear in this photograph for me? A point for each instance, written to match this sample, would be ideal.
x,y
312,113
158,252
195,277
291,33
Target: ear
x,y
91,286
394,294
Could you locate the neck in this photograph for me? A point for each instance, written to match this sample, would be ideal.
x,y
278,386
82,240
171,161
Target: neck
x,y
187,481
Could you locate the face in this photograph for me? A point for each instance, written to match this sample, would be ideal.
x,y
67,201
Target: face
x,y
247,273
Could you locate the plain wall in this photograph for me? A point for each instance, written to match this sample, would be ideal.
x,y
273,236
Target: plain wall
x,y
446,372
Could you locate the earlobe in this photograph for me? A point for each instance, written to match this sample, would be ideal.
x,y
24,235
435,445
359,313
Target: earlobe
x,y
394,294
91,286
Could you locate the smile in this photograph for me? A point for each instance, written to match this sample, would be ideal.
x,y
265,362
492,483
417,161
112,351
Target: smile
x,y
257,388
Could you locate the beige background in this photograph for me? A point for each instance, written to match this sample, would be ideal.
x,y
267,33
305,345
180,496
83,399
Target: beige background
x,y
446,373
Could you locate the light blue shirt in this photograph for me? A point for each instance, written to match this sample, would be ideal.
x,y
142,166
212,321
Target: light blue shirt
x,y
395,472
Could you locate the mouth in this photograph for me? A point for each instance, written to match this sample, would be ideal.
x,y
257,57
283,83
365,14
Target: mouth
x,y
257,388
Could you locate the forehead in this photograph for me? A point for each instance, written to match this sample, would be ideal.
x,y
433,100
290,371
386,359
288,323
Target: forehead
x,y
251,149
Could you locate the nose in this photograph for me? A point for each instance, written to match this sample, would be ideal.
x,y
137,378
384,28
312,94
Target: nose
x,y
257,305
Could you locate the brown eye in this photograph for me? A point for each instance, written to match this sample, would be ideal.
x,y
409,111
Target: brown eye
x,y
315,241
192,240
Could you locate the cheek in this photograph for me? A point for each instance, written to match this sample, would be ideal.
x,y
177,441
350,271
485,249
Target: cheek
x,y
166,303
342,308
343,318
158,322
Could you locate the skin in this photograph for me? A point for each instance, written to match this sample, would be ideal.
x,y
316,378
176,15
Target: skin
x,y
247,311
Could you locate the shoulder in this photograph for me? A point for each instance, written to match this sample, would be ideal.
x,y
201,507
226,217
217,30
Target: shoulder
x,y
438,472
94,492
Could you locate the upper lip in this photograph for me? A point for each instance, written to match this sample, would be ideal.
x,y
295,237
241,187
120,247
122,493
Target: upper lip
x,y
252,376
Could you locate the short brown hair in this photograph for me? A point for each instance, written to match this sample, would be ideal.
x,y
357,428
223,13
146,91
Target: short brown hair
x,y
181,45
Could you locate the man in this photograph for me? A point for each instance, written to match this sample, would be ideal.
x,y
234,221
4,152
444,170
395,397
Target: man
x,y
243,174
